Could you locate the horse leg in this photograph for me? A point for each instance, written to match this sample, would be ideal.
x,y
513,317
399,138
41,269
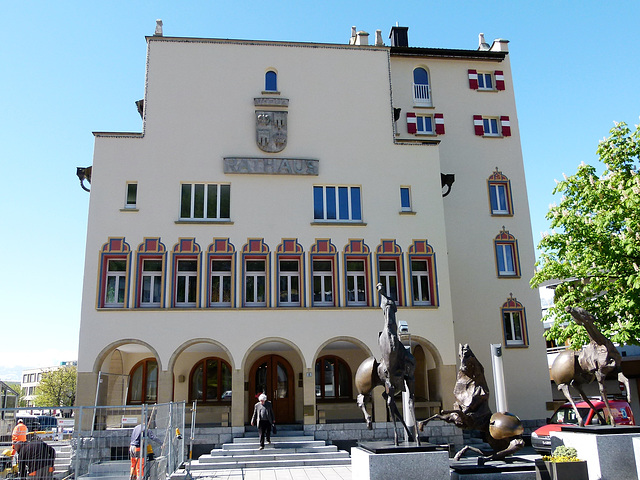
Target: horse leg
x,y
625,380
363,406
449,416
388,398
564,388
603,394
586,399
411,387
396,415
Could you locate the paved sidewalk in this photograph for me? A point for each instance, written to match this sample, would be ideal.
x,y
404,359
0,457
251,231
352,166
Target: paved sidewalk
x,y
293,473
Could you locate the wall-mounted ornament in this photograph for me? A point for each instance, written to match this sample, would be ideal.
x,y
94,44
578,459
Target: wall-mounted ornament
x,y
271,130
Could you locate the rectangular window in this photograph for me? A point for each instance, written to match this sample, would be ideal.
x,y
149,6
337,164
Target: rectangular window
x,y
490,127
337,203
485,81
405,199
513,328
506,259
115,283
220,282
389,278
289,292
187,283
420,283
151,287
255,283
356,283
424,124
200,201
322,283
499,199
132,195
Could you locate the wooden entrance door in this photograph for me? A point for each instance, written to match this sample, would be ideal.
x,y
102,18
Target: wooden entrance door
x,y
273,376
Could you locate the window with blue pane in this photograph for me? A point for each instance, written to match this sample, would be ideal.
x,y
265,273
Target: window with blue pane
x,y
424,124
490,126
485,81
271,81
500,198
405,199
421,90
337,203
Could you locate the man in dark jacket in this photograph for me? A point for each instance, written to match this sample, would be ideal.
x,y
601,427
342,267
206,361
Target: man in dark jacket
x,y
35,459
264,418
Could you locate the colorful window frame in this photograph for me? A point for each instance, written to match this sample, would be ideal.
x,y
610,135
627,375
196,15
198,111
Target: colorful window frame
x,y
390,268
150,284
423,274
514,323
357,274
254,252
500,198
113,253
323,281
507,257
221,274
185,293
290,272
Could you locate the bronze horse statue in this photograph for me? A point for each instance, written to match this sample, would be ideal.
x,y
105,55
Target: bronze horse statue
x,y
594,361
502,431
396,368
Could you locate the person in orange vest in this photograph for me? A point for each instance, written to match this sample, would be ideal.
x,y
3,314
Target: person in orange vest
x,y
19,434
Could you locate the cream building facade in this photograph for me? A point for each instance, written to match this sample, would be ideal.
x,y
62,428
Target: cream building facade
x,y
234,245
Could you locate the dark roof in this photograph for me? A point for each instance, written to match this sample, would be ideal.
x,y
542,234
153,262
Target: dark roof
x,y
448,53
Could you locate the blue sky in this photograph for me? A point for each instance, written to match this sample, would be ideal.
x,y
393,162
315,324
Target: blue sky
x,y
69,68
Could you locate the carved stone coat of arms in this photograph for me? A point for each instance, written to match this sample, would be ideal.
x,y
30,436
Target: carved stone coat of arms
x,y
271,130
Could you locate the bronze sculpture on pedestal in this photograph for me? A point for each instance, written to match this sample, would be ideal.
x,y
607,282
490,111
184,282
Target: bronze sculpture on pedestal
x,y
396,368
502,431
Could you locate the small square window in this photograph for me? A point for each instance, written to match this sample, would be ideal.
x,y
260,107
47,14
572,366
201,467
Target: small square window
x,y
424,124
485,81
491,127
132,195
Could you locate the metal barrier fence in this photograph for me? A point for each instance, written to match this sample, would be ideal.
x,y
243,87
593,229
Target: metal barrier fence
x,y
94,441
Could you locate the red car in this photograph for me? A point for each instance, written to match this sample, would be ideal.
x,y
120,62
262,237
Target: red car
x,y
620,409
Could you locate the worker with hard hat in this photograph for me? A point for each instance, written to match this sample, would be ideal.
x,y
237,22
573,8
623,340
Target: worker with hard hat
x,y
19,434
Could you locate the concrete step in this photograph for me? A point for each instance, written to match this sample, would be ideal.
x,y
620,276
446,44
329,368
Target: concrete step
x,y
279,438
206,461
279,443
219,452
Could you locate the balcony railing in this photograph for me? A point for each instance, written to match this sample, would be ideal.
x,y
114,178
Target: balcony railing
x,y
421,94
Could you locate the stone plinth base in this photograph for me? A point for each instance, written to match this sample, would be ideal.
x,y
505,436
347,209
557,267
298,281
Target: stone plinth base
x,y
433,465
609,452
514,468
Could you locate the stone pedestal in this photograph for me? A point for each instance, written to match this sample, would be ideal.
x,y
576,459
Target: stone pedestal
x,y
407,465
609,451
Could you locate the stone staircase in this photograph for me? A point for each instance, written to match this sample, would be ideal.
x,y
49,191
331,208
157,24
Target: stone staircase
x,y
289,448
63,458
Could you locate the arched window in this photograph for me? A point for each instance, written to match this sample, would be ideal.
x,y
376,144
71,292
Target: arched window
x,y
421,88
333,378
143,382
210,381
271,81
514,323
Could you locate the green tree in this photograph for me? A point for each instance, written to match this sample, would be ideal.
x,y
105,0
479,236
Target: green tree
x,y
57,388
594,247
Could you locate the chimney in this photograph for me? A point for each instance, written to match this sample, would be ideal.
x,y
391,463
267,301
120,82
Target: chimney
x,y
399,37
482,44
500,45
352,40
158,32
362,38
379,42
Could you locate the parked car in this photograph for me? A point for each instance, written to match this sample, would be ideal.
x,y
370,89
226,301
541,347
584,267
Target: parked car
x,y
620,409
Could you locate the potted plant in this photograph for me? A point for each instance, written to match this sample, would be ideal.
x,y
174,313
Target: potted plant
x,y
563,464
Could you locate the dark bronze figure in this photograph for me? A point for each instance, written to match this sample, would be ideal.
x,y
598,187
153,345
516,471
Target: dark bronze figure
x,y
594,361
502,431
396,367
84,173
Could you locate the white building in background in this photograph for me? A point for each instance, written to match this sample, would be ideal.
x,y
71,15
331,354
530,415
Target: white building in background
x,y
234,244
31,380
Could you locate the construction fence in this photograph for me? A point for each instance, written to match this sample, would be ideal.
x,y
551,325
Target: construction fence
x,y
97,439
